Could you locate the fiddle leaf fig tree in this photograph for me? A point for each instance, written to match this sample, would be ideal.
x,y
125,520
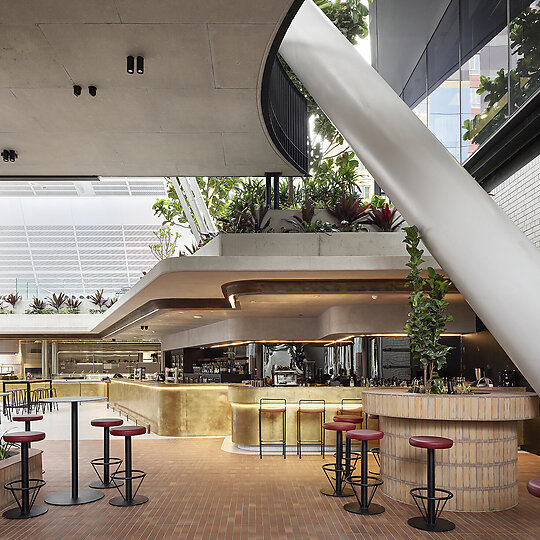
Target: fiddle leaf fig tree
x,y
427,311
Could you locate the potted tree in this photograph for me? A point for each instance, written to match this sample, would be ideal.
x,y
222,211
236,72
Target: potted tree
x,y
427,315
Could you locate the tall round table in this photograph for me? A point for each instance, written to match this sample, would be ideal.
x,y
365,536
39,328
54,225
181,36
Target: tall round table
x,y
76,495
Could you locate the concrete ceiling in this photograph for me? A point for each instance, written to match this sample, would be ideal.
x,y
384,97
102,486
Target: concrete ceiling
x,y
194,111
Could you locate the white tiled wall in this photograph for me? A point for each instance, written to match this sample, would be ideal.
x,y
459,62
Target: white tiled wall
x,y
519,197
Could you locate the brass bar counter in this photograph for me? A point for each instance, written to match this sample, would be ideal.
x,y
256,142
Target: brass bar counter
x,y
80,388
481,467
244,402
174,410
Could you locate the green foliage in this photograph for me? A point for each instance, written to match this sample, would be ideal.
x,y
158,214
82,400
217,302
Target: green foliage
x,y
524,79
249,220
166,244
427,307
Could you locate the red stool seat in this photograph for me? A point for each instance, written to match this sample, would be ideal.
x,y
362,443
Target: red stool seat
x,y
355,410
348,418
365,435
433,443
311,410
128,431
338,426
373,416
533,487
276,409
106,422
27,417
24,436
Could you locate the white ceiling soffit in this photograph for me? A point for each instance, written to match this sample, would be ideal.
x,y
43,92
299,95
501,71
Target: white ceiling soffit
x,y
194,111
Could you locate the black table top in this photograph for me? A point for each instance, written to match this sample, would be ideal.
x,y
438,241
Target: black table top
x,y
71,399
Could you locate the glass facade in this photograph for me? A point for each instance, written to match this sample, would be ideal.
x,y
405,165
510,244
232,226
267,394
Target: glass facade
x,y
481,64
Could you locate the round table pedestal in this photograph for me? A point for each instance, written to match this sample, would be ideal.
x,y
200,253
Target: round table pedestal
x,y
65,498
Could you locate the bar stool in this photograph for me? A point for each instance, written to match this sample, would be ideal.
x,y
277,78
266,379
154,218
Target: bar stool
x,y
533,487
25,485
337,468
270,406
430,520
129,474
352,459
310,406
27,418
375,451
351,406
364,505
106,461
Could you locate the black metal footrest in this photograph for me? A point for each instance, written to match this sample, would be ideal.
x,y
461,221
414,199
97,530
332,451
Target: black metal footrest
x,y
331,471
421,498
136,474
100,462
34,485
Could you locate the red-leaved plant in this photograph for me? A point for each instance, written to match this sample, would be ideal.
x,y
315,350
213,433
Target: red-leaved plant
x,y
385,219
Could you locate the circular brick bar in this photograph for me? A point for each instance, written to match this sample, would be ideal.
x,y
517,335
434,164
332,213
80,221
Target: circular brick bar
x,y
480,469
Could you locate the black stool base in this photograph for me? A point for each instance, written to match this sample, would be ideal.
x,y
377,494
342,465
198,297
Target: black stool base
x,y
100,485
345,492
64,498
120,501
15,513
371,510
441,525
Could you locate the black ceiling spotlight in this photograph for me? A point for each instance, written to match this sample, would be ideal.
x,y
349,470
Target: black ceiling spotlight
x,y
9,155
140,65
130,65
92,90
77,90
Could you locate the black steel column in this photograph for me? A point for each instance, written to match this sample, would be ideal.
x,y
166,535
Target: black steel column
x,y
276,191
431,486
348,466
106,479
129,472
74,451
28,397
268,190
364,476
339,455
24,479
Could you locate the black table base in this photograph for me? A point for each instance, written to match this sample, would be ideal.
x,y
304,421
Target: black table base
x,y
65,498
16,513
135,501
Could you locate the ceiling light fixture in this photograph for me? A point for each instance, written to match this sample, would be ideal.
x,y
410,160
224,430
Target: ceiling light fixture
x,y
77,90
197,316
140,65
130,65
232,301
92,90
130,323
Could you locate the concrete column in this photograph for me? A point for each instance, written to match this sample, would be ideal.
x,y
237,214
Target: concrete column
x,y
44,359
489,259
54,358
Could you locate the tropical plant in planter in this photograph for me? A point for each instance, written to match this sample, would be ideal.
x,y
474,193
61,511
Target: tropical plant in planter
x,y
38,307
3,308
111,302
350,212
56,301
73,305
12,299
386,218
427,312
99,300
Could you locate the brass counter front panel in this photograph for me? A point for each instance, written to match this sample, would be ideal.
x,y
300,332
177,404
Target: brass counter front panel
x,y
81,388
244,402
174,410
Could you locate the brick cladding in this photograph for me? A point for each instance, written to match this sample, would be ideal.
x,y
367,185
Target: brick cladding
x,y
519,197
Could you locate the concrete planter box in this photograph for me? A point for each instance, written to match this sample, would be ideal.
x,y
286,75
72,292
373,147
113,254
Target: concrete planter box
x,y
306,244
10,469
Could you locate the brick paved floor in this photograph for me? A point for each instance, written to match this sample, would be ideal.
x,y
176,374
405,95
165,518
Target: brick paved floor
x,y
198,491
